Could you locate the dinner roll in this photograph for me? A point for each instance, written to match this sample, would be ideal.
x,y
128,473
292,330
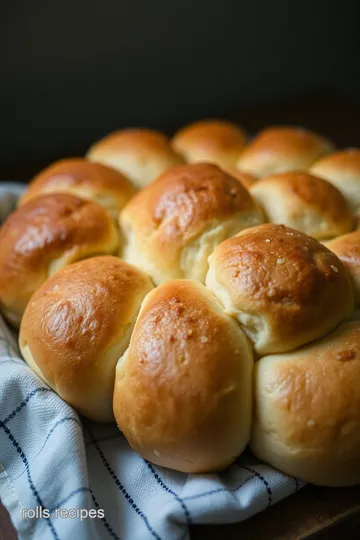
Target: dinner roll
x,y
285,288
281,149
141,154
342,169
304,202
213,141
43,236
183,389
87,180
307,410
347,248
173,225
77,326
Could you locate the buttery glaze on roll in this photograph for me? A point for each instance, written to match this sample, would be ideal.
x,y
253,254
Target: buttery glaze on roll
x,y
173,225
183,389
347,248
77,326
91,181
141,154
307,410
43,236
304,202
342,169
282,149
213,141
285,288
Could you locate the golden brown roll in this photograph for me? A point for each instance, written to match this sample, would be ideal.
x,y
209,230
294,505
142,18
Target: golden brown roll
x,y
90,181
141,154
212,141
285,288
173,225
282,149
307,410
183,396
77,326
347,248
304,202
43,236
342,169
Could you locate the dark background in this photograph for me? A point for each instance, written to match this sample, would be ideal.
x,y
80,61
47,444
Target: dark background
x,y
71,71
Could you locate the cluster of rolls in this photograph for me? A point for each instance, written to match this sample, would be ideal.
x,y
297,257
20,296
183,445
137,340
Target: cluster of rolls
x,y
202,291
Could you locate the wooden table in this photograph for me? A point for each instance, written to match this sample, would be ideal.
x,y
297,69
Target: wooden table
x,y
313,512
